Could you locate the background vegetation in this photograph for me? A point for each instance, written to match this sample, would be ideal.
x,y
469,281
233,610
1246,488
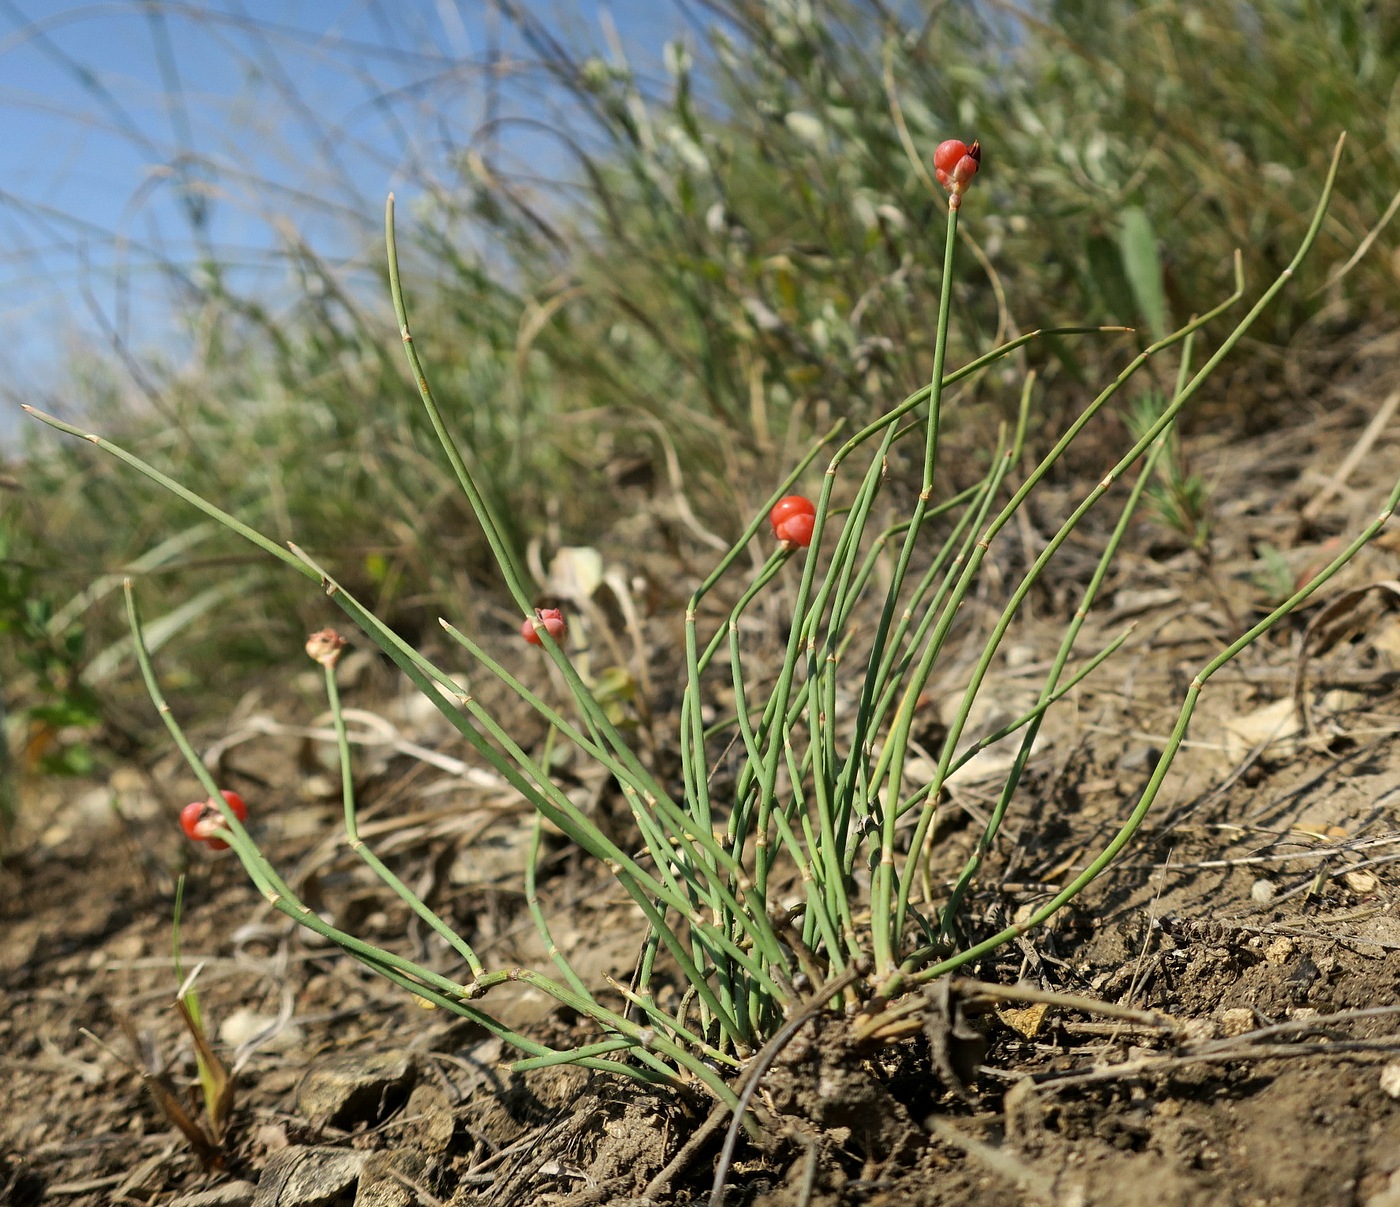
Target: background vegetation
x,y
728,251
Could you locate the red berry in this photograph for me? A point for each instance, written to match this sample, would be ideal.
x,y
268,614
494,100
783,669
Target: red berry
x,y
955,164
553,621
948,154
201,820
793,519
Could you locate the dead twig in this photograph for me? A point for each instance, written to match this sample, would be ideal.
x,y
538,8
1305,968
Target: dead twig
x,y
662,1182
1068,1001
1252,1045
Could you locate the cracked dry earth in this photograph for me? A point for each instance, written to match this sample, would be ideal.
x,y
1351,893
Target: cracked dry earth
x,y
1214,1022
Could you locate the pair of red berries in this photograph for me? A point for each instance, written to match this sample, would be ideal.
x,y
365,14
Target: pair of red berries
x,y
551,620
955,164
793,518
202,821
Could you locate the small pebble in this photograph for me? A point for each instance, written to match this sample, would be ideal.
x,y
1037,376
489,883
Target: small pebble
x,y
1197,1030
1390,1079
1237,1020
243,1025
1361,882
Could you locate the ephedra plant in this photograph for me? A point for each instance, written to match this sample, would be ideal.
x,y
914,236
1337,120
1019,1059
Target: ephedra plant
x,y
822,796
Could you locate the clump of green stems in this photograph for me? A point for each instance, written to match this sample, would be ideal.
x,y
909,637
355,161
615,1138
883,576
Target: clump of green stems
x,y
722,964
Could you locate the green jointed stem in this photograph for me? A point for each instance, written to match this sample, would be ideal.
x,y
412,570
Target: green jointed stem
x,y
886,678
822,910
646,965
511,570
684,834
489,1024
876,426
574,1055
515,579
915,969
1023,588
883,935
422,981
692,738
599,753
824,652
890,766
627,870
662,851
556,808
739,829
273,888
853,788
1048,692
1033,714
356,843
778,734
761,776
548,800
675,1029
150,471
532,903
542,794
648,1042
917,798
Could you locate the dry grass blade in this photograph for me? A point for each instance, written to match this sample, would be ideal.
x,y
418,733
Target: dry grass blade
x,y
166,1096
216,1082
1359,452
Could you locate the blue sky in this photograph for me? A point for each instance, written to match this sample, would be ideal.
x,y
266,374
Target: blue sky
x,y
138,134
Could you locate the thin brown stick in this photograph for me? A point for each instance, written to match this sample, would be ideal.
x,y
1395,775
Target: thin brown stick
x,y
1252,1045
764,1061
660,1184
1067,1001
1359,451
967,988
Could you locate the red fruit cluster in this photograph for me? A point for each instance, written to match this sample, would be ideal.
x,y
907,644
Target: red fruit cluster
x,y
553,621
955,164
202,821
793,519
